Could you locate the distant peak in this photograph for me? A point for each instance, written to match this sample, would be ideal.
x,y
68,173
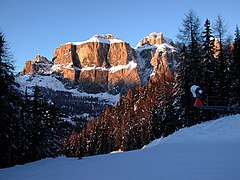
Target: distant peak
x,y
102,36
155,35
152,39
41,59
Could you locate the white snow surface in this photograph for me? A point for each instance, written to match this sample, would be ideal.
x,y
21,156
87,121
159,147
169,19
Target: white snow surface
x,y
130,65
107,39
160,47
56,85
207,151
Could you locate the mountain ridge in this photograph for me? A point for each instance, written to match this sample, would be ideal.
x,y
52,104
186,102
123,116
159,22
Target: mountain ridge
x,y
107,63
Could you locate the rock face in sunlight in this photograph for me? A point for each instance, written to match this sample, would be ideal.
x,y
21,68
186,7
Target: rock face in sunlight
x,y
120,54
152,39
100,64
159,53
41,65
106,64
28,68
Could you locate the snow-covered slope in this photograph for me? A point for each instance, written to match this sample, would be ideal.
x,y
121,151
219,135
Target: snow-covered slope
x,y
69,100
54,84
207,151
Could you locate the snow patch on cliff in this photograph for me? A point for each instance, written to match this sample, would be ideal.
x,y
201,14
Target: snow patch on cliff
x,y
106,39
131,65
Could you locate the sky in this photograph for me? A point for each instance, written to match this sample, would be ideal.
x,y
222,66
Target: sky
x,y
38,27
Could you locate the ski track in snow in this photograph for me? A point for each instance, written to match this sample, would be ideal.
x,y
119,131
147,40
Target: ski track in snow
x,y
207,151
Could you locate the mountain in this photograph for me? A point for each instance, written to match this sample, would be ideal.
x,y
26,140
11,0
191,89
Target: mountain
x,y
205,151
156,56
103,64
40,65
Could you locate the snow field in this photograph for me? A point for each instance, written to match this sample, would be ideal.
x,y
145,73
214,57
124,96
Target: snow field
x,y
208,151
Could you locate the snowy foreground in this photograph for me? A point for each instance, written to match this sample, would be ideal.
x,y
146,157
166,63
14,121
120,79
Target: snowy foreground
x,y
207,151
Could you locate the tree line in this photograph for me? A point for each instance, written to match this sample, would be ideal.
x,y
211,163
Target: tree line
x,y
144,114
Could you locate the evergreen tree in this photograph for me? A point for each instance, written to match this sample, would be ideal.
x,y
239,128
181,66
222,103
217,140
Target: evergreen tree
x,y
190,36
42,130
163,114
208,82
220,30
190,30
235,69
208,71
182,95
8,105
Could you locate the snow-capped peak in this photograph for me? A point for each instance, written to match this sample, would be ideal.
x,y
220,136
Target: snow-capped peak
x,y
155,40
152,39
107,39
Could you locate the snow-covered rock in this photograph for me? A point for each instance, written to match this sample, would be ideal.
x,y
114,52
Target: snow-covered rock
x,y
107,39
157,57
104,63
41,65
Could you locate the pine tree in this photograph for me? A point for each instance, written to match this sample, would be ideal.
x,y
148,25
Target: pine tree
x,y
163,113
190,30
8,105
190,35
42,130
182,95
235,69
208,60
208,82
220,30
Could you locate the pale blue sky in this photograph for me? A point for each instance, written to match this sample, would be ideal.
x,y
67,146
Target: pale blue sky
x,y
38,27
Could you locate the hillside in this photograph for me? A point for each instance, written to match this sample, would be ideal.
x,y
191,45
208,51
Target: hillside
x,y
69,100
210,150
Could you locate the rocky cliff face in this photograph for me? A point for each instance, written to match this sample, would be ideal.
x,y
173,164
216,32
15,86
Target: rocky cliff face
x,y
106,64
99,64
153,39
157,54
40,65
